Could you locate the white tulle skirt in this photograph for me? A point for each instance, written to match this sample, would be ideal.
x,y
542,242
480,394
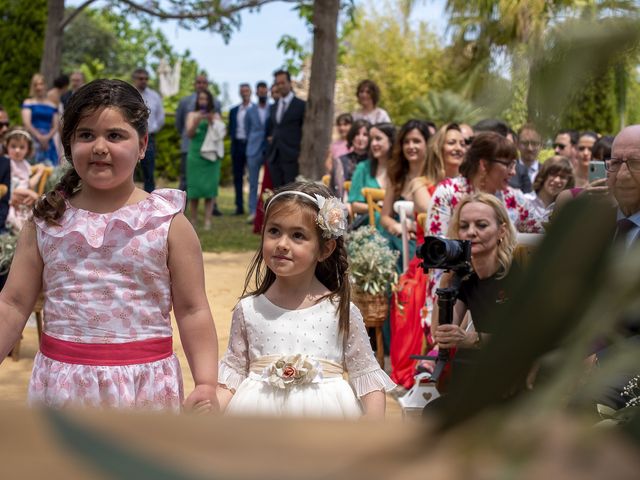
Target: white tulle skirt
x,y
331,398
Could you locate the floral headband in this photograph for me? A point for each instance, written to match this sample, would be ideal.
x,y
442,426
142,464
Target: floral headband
x,y
332,215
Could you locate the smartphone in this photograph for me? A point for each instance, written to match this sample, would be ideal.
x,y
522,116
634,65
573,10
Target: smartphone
x,y
596,170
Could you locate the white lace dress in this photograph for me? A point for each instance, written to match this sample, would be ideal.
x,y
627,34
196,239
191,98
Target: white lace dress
x,y
262,334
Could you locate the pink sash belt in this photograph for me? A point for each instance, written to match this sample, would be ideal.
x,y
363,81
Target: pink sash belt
x,y
106,354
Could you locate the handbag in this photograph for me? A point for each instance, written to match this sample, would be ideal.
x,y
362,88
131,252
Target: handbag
x,y
212,147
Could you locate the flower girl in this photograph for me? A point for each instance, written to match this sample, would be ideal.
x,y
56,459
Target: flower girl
x,y
296,334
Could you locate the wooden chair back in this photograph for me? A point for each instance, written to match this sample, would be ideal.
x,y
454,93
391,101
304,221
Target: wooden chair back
x,y
373,196
42,184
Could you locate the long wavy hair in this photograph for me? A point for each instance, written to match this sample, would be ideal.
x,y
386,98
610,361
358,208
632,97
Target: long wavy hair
x,y
332,272
84,102
434,168
398,167
507,246
390,132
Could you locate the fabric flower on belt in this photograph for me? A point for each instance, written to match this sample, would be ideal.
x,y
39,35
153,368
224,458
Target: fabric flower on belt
x,y
332,217
292,370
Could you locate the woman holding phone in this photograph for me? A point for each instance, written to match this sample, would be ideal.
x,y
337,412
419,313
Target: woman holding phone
x,y
203,176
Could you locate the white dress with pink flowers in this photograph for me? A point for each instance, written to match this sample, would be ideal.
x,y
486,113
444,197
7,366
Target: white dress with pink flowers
x,y
292,362
107,294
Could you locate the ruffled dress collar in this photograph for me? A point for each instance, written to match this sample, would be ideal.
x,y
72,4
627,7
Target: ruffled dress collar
x,y
95,227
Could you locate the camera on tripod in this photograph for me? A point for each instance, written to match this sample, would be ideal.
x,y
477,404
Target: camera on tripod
x,y
445,254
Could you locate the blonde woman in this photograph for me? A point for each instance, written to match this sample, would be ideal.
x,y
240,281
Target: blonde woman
x,y
40,118
483,220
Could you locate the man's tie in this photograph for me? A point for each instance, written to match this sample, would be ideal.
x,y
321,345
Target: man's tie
x,y
624,227
282,104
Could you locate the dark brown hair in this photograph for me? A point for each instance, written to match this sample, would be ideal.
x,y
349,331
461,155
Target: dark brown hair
x,y
373,88
84,102
331,272
398,167
553,166
488,146
355,129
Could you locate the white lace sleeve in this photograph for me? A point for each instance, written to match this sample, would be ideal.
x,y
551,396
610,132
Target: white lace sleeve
x,y
365,374
234,366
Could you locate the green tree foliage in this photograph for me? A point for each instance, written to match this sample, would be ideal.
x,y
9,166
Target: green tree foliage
x,y
593,107
406,61
21,35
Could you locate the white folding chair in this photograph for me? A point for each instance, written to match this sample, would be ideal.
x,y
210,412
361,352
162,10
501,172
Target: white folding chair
x,y
404,209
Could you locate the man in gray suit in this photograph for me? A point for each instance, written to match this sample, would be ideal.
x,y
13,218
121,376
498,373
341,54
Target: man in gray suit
x,y
255,127
188,104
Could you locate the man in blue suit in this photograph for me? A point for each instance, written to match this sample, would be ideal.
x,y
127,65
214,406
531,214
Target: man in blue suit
x,y
255,127
284,132
238,134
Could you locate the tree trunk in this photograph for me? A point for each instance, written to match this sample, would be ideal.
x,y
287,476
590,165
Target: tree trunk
x,y
52,53
318,118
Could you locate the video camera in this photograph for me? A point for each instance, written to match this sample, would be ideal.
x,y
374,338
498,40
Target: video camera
x,y
445,254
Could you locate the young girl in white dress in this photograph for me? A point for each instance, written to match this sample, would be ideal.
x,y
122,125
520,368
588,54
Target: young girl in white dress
x,y
296,334
111,261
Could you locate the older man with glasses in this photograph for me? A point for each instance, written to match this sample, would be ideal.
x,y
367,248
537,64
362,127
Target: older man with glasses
x,y
153,100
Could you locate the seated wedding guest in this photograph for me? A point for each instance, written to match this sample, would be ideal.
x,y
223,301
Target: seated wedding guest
x,y
372,173
482,219
405,173
19,145
368,94
555,176
489,163
343,168
445,153
339,146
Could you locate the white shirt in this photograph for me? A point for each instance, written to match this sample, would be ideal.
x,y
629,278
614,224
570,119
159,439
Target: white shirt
x,y
263,110
156,111
532,170
634,234
283,104
241,134
377,115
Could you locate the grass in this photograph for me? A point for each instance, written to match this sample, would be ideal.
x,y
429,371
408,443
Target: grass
x,y
230,233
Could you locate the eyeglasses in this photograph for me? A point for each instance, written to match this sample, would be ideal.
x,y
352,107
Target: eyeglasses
x,y
530,143
142,78
468,141
4,124
560,146
507,163
614,164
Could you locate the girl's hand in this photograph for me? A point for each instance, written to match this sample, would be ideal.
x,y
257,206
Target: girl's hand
x,y
203,399
449,336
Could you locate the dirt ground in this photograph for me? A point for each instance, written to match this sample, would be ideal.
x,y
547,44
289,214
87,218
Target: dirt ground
x,y
224,279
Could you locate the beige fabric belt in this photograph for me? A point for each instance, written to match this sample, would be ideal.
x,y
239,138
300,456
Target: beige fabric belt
x,y
329,369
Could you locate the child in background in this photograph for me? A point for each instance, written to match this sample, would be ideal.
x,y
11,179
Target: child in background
x,y
112,259
19,146
339,147
296,333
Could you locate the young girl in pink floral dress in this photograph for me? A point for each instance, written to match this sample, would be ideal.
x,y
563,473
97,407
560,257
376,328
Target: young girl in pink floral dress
x,y
113,261
294,336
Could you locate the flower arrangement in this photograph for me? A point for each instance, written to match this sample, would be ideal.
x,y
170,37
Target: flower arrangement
x,y
292,370
7,249
372,262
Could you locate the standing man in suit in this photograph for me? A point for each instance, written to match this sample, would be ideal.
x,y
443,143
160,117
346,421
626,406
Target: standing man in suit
x,y
238,134
153,100
188,104
255,127
285,132
529,144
